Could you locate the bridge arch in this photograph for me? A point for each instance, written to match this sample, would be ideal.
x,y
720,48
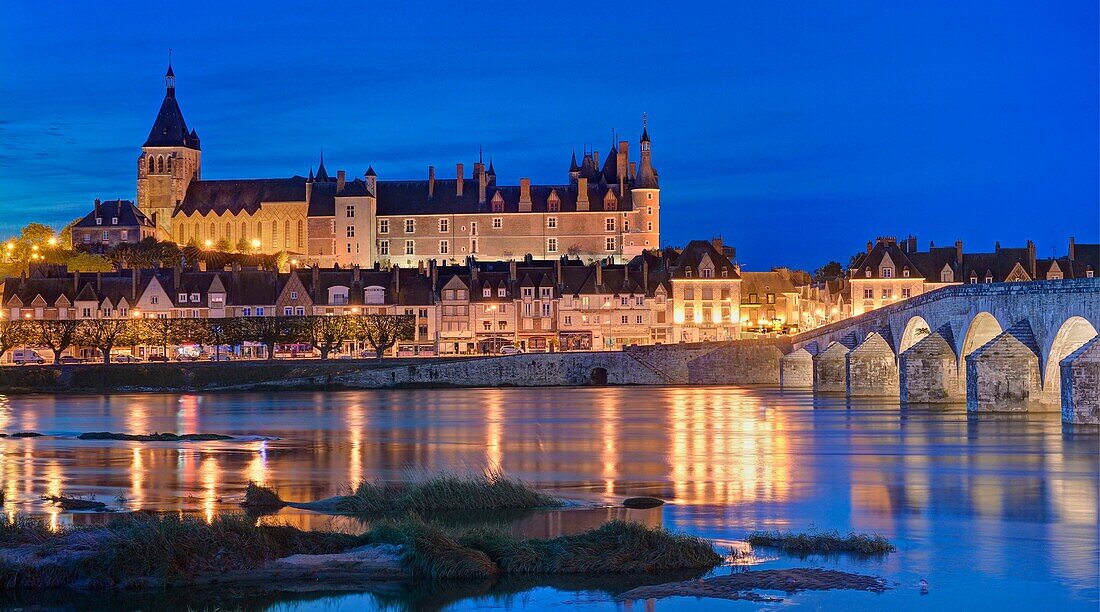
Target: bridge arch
x,y
1073,333
983,328
915,330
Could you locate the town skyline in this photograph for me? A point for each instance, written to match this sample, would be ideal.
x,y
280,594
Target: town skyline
x,y
747,171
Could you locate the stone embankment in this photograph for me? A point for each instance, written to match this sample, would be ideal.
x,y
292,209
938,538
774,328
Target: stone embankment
x,y
746,362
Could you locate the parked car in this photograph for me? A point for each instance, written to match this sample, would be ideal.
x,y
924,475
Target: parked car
x,y
509,349
70,360
221,357
126,359
161,358
25,356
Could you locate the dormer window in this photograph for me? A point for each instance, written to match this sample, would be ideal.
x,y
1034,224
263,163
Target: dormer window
x,y
905,272
486,292
988,278
98,221
887,273
293,295
1088,273
725,273
182,298
946,276
374,295
502,292
973,278
195,297
687,273
707,273
114,220
867,273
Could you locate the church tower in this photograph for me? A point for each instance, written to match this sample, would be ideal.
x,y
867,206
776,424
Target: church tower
x,y
170,159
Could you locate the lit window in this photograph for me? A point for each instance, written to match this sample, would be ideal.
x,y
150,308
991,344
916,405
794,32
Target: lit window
x,y
502,292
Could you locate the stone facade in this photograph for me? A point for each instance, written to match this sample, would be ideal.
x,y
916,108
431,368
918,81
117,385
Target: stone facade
x,y
929,371
871,368
1080,373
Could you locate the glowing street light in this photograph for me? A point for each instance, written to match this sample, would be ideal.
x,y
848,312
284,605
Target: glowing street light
x,y
208,243
255,243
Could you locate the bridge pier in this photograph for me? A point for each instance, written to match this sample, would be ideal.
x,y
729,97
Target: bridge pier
x,y
1003,375
831,369
871,368
796,370
1081,385
928,372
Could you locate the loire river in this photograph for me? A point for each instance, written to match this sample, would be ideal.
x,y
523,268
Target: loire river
x,y
994,512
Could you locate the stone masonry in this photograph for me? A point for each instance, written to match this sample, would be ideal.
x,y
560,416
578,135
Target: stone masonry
x,y
1081,385
871,368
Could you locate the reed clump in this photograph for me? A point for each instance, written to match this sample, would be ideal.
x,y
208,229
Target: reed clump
x,y
822,542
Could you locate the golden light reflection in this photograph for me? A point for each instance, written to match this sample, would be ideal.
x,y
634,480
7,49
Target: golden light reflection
x,y
725,450
609,419
54,487
356,424
137,478
208,475
494,427
257,469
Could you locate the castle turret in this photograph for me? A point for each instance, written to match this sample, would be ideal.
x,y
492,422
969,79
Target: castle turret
x,y
645,194
170,159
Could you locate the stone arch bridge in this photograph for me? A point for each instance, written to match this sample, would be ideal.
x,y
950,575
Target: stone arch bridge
x,y
1000,347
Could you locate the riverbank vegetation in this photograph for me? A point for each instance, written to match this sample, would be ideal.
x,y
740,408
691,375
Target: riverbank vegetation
x,y
146,550
822,543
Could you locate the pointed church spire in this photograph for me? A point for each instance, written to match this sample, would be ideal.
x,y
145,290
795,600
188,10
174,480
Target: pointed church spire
x,y
573,167
322,174
310,179
645,131
170,76
491,171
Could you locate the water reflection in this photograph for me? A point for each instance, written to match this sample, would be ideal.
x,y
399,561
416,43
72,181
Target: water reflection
x,y
729,460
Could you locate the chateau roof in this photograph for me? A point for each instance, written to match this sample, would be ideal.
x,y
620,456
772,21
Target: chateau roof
x,y
411,198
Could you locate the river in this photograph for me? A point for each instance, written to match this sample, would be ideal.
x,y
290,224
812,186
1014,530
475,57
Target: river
x,y
993,512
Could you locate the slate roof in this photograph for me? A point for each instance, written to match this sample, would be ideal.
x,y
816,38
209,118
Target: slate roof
x,y
763,283
169,128
411,198
240,195
128,215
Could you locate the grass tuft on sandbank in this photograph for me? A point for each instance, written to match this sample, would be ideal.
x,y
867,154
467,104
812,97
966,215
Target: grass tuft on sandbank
x,y
261,498
822,543
489,491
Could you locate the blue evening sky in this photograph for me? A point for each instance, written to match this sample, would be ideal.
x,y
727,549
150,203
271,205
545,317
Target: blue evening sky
x,y
796,130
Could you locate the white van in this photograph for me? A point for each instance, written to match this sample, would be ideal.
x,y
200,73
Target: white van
x,y
25,356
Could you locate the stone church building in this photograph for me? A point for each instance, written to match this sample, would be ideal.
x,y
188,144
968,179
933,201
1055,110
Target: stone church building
x,y
602,211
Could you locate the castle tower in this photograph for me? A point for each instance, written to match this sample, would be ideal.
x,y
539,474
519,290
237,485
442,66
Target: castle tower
x,y
645,193
170,159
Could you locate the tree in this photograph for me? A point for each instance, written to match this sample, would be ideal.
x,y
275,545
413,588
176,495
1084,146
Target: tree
x,y
12,334
105,334
830,271
384,331
325,333
160,332
56,335
219,332
268,331
223,245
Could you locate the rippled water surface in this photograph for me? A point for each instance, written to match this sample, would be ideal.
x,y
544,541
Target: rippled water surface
x,y
995,513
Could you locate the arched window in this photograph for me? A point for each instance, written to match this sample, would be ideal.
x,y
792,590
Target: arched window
x,y
169,165
213,231
274,234
160,164
244,230
300,234
259,231
152,167
286,233
229,231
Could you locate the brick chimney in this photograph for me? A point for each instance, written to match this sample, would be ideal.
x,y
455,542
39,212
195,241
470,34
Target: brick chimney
x,y
582,193
912,243
76,281
512,270
431,182
645,273
622,160
315,278
177,271
341,178
525,195
959,252
355,273
482,183
1031,257
458,180
1071,245
599,273
633,170
869,247
396,282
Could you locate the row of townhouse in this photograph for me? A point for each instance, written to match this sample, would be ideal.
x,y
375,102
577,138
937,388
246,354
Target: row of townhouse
x,y
890,270
673,295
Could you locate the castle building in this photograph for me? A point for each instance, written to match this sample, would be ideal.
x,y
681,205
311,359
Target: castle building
x,y
609,211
